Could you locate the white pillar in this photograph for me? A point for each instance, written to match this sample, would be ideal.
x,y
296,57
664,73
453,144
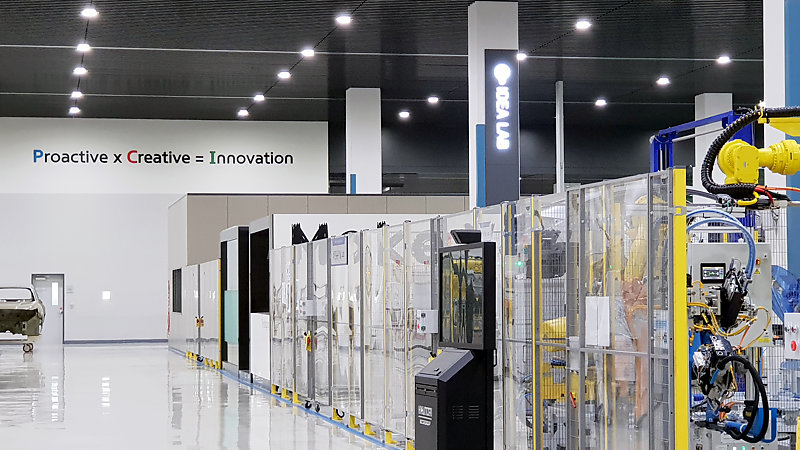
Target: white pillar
x,y
774,74
492,25
559,136
707,105
363,141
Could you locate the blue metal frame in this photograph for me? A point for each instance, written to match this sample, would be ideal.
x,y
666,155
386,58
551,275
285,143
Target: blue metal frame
x,y
661,148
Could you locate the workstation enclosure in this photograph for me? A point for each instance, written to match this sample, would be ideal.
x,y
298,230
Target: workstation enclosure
x,y
235,288
586,313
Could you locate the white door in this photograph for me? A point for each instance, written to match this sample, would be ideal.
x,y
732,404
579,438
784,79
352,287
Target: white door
x,y
50,288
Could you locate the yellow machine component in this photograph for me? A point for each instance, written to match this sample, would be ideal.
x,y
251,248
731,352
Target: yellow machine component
x,y
740,161
789,125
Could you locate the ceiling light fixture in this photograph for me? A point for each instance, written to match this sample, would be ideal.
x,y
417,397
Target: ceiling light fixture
x,y
724,59
79,71
76,94
243,113
284,75
307,52
404,115
663,80
259,98
89,12
583,24
433,99
600,102
73,110
522,56
344,19
83,47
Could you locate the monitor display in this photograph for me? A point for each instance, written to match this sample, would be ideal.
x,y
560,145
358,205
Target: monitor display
x,y
464,309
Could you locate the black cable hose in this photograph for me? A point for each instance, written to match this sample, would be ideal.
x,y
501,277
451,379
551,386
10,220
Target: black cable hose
x,y
764,403
738,190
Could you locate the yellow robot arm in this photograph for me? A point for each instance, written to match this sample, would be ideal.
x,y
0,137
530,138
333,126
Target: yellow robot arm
x,y
740,161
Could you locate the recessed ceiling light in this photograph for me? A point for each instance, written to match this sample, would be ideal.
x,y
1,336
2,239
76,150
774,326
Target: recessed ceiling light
x,y
284,75
600,102
724,59
83,47
433,99
243,112
76,94
89,12
259,98
344,19
663,80
73,110
522,56
404,114
80,70
307,52
583,24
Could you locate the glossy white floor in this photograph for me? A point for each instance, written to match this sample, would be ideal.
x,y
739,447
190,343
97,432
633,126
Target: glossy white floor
x,y
144,397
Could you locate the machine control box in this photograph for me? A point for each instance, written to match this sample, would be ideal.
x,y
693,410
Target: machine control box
x,y
708,264
426,321
791,333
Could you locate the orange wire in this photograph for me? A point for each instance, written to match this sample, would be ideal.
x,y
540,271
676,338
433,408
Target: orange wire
x,y
793,189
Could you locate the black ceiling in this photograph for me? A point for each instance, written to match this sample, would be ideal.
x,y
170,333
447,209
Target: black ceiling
x,y
230,50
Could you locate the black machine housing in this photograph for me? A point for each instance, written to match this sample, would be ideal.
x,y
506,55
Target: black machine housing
x,y
454,392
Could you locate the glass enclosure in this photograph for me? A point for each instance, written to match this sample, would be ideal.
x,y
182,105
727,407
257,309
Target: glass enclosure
x,y
372,243
321,323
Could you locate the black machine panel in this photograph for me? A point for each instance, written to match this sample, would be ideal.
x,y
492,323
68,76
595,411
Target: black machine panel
x,y
453,393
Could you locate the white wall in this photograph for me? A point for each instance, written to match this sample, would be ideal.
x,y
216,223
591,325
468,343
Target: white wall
x,y
100,242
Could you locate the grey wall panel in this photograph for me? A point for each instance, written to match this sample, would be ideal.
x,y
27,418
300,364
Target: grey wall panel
x,y
405,205
243,209
326,204
207,216
367,204
288,204
444,204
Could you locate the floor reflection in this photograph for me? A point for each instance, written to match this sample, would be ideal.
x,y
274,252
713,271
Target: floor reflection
x,y
135,397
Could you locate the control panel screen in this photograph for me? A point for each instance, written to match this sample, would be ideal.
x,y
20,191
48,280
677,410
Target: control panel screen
x,y
462,293
712,273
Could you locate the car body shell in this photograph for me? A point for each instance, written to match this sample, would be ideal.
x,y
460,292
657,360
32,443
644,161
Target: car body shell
x,y
21,316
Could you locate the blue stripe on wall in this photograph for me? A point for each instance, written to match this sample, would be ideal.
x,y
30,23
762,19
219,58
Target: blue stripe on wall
x,y
352,183
480,151
792,42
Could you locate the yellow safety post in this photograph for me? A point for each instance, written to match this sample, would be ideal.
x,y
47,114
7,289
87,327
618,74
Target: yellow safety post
x,y
296,398
796,434
410,444
390,439
275,389
336,416
368,430
353,423
285,394
679,317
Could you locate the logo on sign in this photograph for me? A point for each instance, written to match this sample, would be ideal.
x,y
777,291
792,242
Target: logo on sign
x,y
502,95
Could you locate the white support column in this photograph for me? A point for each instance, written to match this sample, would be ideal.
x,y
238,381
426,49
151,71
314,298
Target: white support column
x,y
774,74
492,25
363,157
707,105
559,136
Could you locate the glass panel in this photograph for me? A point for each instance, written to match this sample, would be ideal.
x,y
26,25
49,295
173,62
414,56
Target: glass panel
x,y
374,348
489,221
276,291
355,356
459,221
302,329
420,244
341,336
395,323
517,327
232,317
287,319
321,345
